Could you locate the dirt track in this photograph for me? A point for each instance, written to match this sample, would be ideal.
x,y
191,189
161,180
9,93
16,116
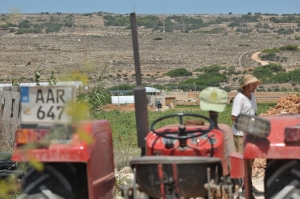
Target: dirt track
x,y
256,58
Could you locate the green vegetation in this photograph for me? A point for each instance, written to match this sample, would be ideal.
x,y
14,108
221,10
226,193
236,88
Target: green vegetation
x,y
212,31
270,56
121,87
184,23
243,45
110,20
179,72
290,47
237,21
285,31
52,26
206,79
231,70
169,23
283,77
272,50
4,26
264,26
286,19
95,98
172,23
210,77
209,69
274,73
87,14
243,30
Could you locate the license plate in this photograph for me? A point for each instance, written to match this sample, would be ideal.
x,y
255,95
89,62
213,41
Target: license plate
x,y
47,104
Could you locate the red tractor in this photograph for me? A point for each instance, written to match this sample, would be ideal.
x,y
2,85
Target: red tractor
x,y
188,160
66,163
182,160
276,139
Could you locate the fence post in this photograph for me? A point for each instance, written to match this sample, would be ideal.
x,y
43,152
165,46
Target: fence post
x,y
9,116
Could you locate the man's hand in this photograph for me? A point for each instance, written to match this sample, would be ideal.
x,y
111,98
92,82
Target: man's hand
x,y
233,117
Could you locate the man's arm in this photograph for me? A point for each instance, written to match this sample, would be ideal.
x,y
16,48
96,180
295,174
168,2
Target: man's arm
x,y
233,118
236,108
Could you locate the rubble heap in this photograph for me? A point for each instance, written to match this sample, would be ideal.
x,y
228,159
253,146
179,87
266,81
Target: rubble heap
x,y
287,105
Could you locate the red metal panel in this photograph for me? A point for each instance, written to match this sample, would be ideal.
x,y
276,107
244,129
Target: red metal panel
x,y
161,179
247,179
274,146
55,153
101,175
98,155
200,146
237,165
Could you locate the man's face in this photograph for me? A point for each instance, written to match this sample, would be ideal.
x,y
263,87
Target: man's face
x,y
251,87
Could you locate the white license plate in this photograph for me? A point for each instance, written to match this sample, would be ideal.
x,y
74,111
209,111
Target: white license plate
x,y
46,104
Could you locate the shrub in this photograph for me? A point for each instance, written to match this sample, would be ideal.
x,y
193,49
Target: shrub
x,y
24,24
262,72
290,47
52,27
243,45
285,31
68,24
4,26
270,56
212,68
179,72
205,80
272,50
243,30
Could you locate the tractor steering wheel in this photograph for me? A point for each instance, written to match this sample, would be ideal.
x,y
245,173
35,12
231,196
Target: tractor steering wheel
x,y
181,128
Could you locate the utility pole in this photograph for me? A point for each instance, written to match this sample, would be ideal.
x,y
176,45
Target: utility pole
x,y
164,21
111,65
183,25
292,83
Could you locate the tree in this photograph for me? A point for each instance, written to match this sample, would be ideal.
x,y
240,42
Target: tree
x,y
230,13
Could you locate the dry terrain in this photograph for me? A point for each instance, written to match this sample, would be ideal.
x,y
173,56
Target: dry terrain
x,y
91,48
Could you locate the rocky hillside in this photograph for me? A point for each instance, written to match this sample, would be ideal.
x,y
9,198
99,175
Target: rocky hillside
x,y
63,43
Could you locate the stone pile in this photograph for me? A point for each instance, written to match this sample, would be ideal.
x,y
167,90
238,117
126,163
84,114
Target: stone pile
x,y
286,105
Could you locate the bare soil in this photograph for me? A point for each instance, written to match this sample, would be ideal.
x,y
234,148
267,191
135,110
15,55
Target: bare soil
x,y
90,47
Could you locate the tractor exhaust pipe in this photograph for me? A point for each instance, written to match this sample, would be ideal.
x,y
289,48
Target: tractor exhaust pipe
x,y
213,115
140,98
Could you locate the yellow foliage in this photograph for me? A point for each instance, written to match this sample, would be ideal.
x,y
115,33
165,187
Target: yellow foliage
x,y
15,13
83,136
89,65
5,188
75,76
78,110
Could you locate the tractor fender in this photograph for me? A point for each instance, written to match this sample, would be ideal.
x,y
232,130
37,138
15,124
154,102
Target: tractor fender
x,y
237,165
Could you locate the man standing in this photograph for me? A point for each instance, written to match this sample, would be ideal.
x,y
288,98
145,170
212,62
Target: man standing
x,y
245,103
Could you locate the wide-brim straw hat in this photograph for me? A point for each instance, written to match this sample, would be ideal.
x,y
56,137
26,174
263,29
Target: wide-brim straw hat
x,y
248,79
